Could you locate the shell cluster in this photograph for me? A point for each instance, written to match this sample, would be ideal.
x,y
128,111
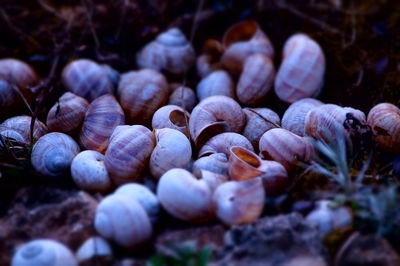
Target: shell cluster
x,y
214,153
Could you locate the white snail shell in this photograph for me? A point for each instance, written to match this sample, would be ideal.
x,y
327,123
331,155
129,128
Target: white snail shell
x,y
213,180
53,153
216,83
123,220
215,163
222,143
301,73
89,172
182,96
92,248
184,196
170,52
42,252
171,116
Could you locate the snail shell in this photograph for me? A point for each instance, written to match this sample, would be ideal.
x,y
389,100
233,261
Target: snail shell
x,y
184,97
285,147
170,52
8,96
214,115
184,196
213,180
209,60
216,83
103,115
89,172
223,142
141,93
19,128
240,41
53,153
113,75
67,114
43,252
256,79
215,163
301,73
384,120
173,150
144,196
239,202
293,118
259,121
123,220
93,248
20,74
171,116
128,153
87,79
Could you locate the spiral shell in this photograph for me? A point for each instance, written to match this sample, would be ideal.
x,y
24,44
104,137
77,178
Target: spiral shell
x,y
128,153
301,73
255,80
171,116
8,96
19,128
209,60
184,97
53,153
184,196
93,249
239,202
216,83
89,172
293,118
43,252
123,220
213,180
103,115
87,79
67,114
259,121
170,52
214,115
144,196
240,41
285,147
172,150
384,120
141,93
222,143
215,163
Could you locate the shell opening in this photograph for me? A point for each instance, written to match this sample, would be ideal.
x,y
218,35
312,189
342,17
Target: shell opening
x,y
178,118
246,156
240,32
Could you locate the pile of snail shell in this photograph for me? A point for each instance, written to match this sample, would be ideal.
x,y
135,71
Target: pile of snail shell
x,y
214,152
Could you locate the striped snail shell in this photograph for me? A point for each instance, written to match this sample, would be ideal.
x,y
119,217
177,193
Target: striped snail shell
x,y
128,153
171,116
170,52
384,120
182,96
53,153
222,143
141,93
241,40
215,163
216,83
87,79
102,116
19,128
67,114
301,73
43,252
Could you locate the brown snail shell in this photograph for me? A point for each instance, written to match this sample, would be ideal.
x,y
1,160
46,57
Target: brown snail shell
x,y
103,115
384,120
239,202
53,153
241,40
301,74
293,118
215,163
209,60
216,83
184,196
141,93
183,96
87,79
172,150
285,147
171,116
128,153
222,143
255,80
67,114
259,121
214,115
170,52
19,128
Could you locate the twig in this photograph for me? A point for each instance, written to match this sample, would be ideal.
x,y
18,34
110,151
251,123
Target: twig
x,y
263,118
89,14
344,247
